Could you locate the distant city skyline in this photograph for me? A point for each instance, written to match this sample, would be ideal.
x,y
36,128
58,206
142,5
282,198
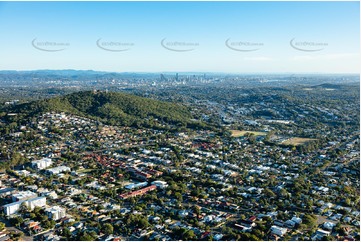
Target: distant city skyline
x,y
153,37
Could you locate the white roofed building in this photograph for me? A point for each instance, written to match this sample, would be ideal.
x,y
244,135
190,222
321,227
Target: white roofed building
x,y
36,202
280,231
58,170
55,212
41,164
23,195
12,208
160,184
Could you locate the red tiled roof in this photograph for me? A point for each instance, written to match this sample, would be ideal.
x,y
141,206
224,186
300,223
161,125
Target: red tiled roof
x,y
138,192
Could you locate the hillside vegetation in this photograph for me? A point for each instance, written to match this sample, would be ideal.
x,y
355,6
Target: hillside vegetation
x,y
113,108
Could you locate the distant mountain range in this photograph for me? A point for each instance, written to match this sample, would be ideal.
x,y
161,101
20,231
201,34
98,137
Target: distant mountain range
x,y
113,108
68,72
72,72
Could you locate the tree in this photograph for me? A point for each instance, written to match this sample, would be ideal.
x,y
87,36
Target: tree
x,y
328,238
108,228
269,193
67,233
348,202
93,234
189,235
143,223
197,211
17,221
23,208
16,159
253,237
2,226
17,236
252,139
86,237
309,220
283,192
178,196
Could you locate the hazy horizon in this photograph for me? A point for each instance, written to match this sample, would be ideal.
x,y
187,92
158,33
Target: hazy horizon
x,y
185,72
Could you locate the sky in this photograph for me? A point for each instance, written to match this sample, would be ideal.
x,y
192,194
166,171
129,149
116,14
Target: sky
x,y
233,37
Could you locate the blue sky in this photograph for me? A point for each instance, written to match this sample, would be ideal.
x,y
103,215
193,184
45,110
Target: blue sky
x,y
327,35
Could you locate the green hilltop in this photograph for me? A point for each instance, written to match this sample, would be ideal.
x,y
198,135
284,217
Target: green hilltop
x,y
113,108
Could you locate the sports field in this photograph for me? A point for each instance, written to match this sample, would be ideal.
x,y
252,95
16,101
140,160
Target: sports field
x,y
297,141
239,133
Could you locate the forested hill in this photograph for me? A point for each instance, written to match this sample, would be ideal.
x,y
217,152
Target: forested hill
x,y
113,108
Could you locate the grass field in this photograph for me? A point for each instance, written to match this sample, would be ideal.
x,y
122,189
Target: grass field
x,y
239,133
296,141
84,170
